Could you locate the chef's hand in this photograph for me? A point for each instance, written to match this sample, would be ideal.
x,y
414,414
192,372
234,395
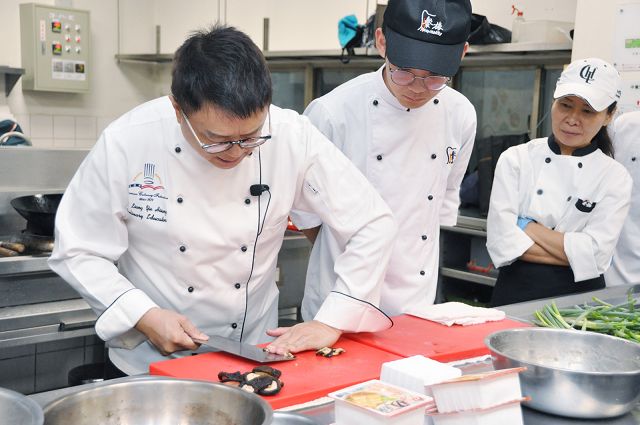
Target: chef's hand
x,y
303,336
169,331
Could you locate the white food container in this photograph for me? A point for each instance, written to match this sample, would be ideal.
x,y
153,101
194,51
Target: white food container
x,y
417,373
378,403
478,391
508,414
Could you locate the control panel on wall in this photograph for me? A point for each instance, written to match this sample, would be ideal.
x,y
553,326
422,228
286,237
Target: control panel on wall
x,y
55,48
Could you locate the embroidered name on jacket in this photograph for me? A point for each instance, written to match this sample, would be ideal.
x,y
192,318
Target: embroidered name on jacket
x,y
147,199
451,155
585,206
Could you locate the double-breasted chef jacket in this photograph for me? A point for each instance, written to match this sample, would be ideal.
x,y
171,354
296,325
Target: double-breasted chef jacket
x,y
416,160
584,195
625,267
147,222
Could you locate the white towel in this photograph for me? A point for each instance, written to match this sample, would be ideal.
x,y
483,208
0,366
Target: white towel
x,y
459,314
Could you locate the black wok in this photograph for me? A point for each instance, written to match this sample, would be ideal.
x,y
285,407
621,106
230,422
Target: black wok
x,y
39,211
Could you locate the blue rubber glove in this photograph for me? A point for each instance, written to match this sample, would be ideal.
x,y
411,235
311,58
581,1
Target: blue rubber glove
x,y
523,221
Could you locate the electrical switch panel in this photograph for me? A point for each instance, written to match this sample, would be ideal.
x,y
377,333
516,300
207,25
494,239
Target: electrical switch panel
x,y
55,48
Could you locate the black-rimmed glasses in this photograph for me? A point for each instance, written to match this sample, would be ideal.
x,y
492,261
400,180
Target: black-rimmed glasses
x,y
247,143
402,77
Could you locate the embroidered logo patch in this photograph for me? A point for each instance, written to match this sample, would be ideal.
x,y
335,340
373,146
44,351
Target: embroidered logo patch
x,y
586,73
451,155
147,195
429,24
585,206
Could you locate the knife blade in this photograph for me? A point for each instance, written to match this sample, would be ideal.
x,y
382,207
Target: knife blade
x,y
243,350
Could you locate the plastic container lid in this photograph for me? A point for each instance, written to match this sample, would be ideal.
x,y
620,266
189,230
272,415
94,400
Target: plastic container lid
x,y
381,398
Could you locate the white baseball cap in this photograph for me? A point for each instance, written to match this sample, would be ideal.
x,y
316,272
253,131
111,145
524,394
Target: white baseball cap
x,y
592,79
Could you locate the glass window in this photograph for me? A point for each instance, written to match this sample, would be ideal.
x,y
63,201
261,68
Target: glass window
x,y
549,85
503,99
328,79
288,89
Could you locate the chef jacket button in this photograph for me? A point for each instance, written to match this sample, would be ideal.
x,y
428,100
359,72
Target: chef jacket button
x,y
237,286
190,289
375,102
178,149
547,160
633,158
179,199
579,164
568,198
243,248
430,197
436,101
379,157
247,201
183,248
434,156
539,191
424,237
234,325
422,273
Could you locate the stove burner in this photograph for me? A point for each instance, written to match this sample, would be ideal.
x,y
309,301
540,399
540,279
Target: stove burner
x,y
26,243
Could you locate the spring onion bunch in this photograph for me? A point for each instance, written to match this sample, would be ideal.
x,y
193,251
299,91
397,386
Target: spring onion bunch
x,y
621,320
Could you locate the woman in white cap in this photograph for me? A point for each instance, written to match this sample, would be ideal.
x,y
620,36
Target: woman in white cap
x,y
558,203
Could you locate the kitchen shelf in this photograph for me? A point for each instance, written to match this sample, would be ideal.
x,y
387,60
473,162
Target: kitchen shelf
x,y
482,279
11,77
532,52
465,230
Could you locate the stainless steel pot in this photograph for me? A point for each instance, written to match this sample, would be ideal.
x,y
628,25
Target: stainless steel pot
x,y
569,372
16,409
157,401
286,418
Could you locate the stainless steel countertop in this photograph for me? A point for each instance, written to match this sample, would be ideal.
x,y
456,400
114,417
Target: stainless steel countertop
x,y
324,414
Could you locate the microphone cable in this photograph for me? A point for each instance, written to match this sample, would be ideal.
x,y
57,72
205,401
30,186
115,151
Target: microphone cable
x,y
255,243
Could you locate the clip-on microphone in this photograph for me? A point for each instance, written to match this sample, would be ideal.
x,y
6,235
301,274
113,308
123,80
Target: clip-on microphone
x,y
258,189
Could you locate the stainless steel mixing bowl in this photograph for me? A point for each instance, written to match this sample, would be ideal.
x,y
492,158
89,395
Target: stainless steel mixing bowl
x,y
16,409
159,401
570,372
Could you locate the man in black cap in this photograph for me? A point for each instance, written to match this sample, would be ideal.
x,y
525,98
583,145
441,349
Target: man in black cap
x,y
411,135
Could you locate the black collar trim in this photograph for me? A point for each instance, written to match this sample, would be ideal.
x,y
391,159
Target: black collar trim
x,y
555,148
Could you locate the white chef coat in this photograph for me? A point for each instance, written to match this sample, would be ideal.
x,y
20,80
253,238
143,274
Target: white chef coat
x,y
584,195
416,160
625,268
182,231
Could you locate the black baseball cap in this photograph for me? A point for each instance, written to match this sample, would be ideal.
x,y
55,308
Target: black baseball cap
x,y
427,34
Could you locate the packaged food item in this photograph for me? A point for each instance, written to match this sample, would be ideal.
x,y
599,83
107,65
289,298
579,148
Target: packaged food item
x,y
378,403
417,373
506,413
478,391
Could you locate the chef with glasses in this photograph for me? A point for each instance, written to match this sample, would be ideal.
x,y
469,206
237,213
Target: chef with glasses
x,y
411,135
172,225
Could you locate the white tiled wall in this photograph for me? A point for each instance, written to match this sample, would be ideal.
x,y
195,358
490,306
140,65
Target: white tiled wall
x,y
62,130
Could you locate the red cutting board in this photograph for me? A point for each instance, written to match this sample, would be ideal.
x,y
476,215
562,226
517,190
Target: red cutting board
x,y
411,336
306,378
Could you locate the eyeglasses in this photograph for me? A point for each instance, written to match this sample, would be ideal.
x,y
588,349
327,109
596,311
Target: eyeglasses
x,y
404,78
248,143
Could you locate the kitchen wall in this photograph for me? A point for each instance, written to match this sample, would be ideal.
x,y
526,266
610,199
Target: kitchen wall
x,y
129,26
595,36
75,120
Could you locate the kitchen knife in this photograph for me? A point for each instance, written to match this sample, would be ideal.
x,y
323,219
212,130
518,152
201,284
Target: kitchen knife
x,y
243,350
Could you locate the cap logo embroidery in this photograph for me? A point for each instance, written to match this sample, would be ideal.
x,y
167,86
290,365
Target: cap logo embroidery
x,y
429,25
586,73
